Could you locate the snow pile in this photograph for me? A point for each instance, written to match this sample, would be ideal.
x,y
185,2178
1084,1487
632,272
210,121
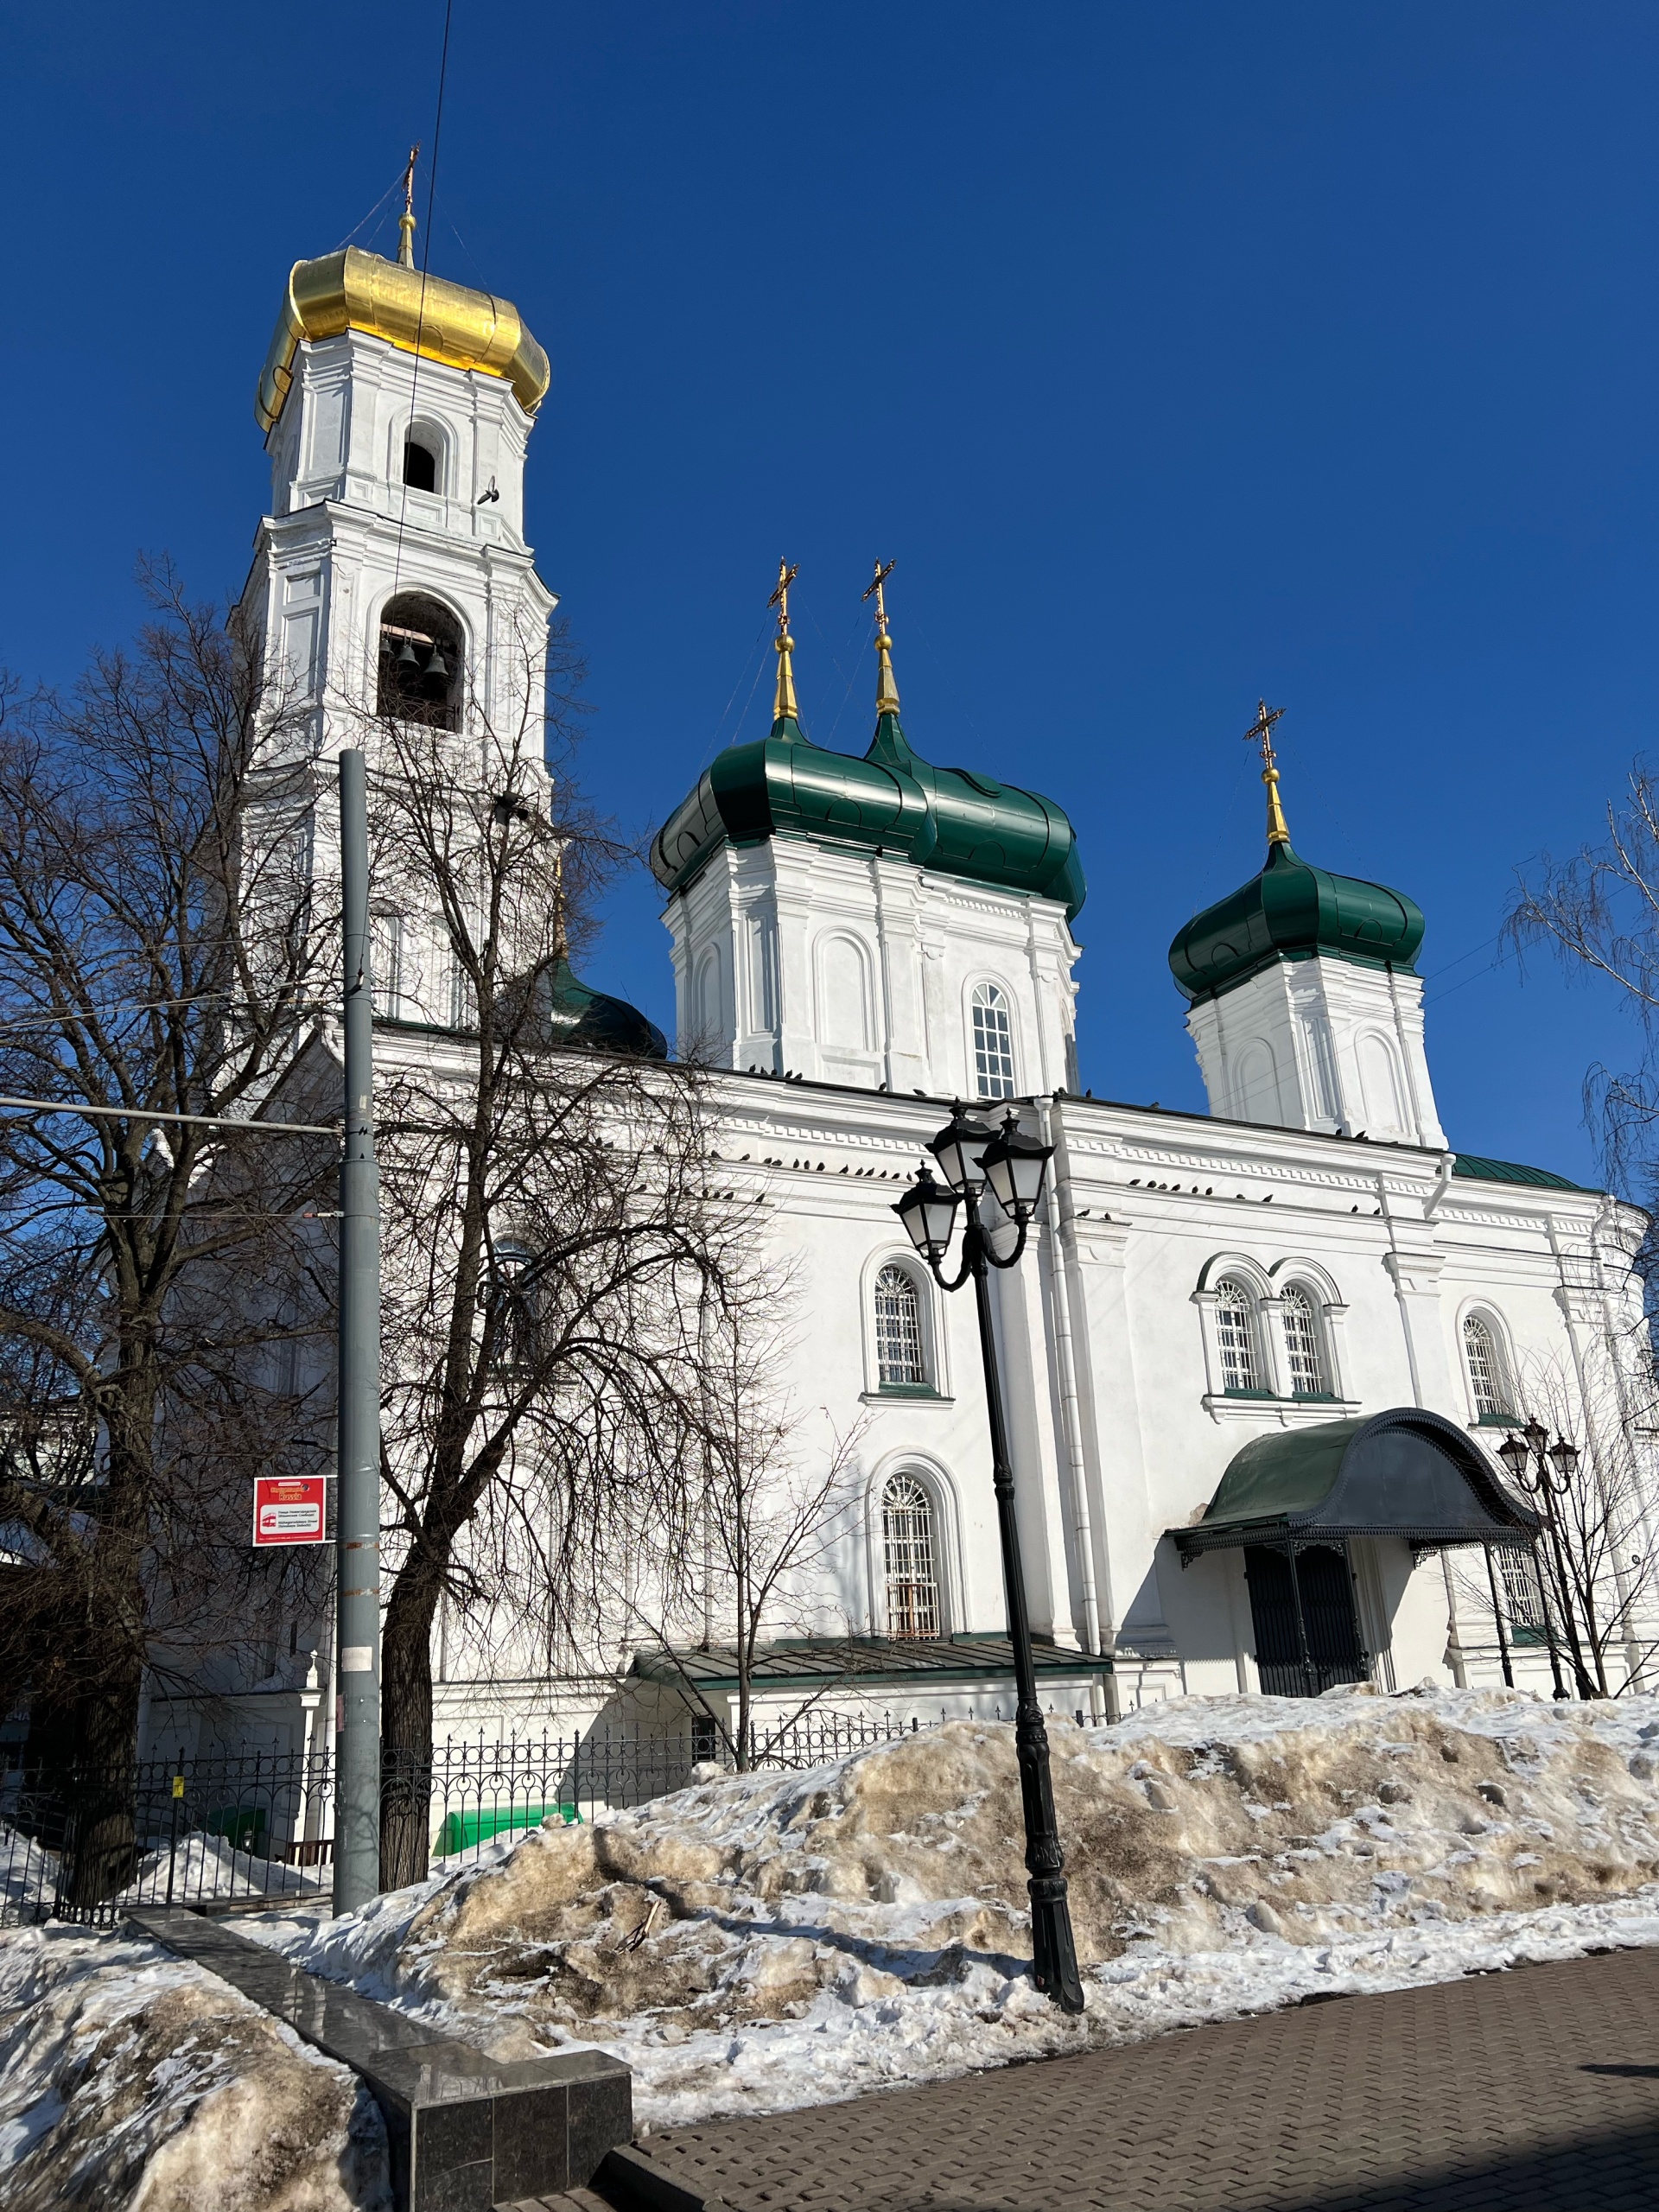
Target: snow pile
x,y
769,1940
206,1869
129,2079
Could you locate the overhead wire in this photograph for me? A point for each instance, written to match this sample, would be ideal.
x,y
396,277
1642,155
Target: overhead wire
x,y
426,255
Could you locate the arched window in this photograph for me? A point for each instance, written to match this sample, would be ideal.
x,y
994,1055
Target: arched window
x,y
908,1546
993,1042
1241,1356
420,466
1304,1348
513,1301
421,662
898,1330
1489,1377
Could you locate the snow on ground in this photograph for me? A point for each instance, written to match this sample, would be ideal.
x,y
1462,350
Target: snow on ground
x,y
208,1869
134,2082
761,1940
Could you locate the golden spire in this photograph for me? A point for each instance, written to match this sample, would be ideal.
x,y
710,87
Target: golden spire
x,y
1261,733
406,220
887,691
783,707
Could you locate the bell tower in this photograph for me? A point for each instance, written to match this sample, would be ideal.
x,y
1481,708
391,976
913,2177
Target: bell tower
x,y
391,574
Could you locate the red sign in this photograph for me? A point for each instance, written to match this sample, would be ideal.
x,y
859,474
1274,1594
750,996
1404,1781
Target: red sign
x,y
287,1509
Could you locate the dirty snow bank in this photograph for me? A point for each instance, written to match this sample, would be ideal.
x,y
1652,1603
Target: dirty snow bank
x,y
765,1941
134,2082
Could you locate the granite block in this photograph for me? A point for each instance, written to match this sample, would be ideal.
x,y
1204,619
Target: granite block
x,y
532,2154
601,2116
465,2132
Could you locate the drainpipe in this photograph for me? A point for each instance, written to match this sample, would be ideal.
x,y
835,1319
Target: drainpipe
x,y
1454,1641
1062,1230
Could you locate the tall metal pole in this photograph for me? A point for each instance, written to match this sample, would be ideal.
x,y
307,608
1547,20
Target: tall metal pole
x,y
357,1668
1054,1952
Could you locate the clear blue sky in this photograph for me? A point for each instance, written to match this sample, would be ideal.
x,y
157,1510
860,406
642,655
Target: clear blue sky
x,y
1178,352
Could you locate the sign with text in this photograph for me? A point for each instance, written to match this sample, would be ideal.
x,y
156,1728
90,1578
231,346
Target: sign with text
x,y
288,1508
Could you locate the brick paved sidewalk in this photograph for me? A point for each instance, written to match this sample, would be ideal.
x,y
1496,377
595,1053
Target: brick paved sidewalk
x,y
1532,2091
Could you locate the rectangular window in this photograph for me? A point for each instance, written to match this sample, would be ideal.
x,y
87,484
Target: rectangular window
x,y
386,964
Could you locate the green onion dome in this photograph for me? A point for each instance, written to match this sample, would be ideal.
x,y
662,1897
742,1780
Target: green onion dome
x,y
890,801
570,1013
1293,912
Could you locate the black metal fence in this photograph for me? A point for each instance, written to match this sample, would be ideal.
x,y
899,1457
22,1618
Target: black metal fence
x,y
228,1830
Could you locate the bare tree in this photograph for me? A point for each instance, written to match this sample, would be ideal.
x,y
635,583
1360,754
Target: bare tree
x,y
1595,1556
773,1505
550,1222
1597,911
157,955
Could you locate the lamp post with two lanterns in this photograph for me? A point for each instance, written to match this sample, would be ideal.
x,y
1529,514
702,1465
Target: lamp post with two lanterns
x,y
1544,1471
984,1166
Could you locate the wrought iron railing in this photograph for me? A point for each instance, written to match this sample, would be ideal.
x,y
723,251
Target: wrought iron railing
x,y
228,1830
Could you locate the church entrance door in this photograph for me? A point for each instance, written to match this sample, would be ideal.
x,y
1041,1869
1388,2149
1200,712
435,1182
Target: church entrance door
x,y
1301,1658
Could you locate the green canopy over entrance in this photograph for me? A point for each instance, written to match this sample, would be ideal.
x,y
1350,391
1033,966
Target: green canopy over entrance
x,y
1406,1474
1292,1500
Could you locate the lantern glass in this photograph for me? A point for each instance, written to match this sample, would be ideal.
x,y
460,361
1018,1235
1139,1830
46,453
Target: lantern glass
x,y
1015,1166
1537,1435
1513,1453
929,1213
957,1148
1565,1457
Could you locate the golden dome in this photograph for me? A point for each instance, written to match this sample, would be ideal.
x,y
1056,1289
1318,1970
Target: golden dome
x,y
440,321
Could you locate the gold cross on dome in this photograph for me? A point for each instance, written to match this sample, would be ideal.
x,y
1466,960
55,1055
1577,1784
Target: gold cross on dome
x,y
780,598
406,220
874,591
1261,733
1261,730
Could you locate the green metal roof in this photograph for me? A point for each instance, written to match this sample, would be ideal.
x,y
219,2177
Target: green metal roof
x,y
1293,912
1507,1171
1407,1472
575,1015
892,801
866,1658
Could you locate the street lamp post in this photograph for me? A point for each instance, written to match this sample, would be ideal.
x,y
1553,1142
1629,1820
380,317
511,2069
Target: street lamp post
x,y
975,1160
1529,1457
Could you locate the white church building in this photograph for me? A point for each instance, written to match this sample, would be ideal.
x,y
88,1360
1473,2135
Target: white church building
x,y
1256,1360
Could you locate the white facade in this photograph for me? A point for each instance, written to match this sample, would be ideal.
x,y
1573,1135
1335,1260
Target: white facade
x,y
850,967
1320,1044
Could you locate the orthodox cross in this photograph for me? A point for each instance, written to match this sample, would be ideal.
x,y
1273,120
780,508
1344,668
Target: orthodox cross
x,y
874,591
1261,733
783,708
780,598
406,220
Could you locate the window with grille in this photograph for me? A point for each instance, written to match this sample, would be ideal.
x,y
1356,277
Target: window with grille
x,y
1521,1592
907,1540
898,1330
1240,1362
387,964
1487,1377
993,1042
1303,1349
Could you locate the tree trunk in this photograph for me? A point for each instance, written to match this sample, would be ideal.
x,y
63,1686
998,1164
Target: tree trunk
x,y
101,1839
406,1728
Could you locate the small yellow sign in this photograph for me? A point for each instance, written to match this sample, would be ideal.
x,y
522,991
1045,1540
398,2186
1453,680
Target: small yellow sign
x,y
178,1785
